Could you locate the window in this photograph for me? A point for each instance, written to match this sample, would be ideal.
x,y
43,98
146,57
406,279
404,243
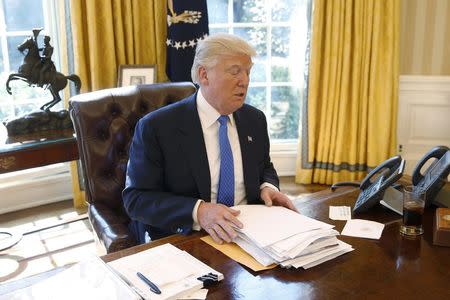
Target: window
x,y
42,185
17,19
278,31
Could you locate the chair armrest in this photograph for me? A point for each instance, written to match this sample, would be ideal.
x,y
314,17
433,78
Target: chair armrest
x,y
111,228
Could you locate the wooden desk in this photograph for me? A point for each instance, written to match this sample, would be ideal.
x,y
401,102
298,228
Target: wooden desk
x,y
36,150
393,267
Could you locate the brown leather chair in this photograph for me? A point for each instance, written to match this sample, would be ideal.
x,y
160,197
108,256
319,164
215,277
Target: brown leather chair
x,y
104,123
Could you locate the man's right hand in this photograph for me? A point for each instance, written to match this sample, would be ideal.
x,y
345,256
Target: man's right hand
x,y
218,220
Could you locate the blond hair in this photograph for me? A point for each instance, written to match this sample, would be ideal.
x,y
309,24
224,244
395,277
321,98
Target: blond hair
x,y
210,49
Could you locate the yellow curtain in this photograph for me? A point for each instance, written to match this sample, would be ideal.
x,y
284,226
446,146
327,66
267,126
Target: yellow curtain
x,y
64,45
350,121
109,33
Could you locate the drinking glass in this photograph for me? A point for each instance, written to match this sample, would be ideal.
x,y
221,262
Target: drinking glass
x,y
413,208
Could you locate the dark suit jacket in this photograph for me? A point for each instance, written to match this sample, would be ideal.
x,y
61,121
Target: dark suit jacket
x,y
168,168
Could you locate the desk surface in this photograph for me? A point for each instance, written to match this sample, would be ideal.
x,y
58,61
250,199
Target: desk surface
x,y
36,150
389,268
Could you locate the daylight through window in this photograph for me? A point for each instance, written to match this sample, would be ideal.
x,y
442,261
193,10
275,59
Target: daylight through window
x,y
17,19
278,31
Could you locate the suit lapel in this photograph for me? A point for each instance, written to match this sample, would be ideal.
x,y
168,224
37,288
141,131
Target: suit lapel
x,y
193,144
248,164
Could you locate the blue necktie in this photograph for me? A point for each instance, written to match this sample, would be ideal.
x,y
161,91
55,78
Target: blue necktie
x,y
225,193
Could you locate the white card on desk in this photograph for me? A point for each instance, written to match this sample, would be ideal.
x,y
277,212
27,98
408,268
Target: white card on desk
x,y
340,213
363,228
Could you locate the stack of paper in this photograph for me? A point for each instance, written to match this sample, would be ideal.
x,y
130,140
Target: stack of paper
x,y
281,236
175,272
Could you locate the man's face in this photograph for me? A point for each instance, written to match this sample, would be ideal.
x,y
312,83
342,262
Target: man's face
x,y
225,84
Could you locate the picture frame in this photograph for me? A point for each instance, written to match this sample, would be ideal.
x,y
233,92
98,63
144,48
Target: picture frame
x,y
136,74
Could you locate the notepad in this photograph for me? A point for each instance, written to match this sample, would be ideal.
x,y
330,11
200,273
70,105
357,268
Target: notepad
x,y
340,213
174,271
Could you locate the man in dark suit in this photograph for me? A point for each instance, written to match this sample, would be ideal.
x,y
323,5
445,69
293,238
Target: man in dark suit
x,y
192,160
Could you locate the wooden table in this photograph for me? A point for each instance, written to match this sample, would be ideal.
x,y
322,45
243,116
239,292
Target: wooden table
x,y
36,150
394,267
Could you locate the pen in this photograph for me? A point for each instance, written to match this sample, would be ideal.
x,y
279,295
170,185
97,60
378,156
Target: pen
x,y
153,287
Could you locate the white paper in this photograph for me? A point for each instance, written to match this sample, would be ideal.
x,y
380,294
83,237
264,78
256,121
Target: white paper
x,y
340,213
363,228
305,259
257,253
327,258
198,295
278,235
266,225
174,271
303,244
318,257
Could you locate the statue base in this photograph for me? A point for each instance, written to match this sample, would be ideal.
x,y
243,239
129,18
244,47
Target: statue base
x,y
39,121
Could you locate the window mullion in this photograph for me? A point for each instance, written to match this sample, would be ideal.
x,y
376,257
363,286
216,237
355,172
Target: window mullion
x,y
51,26
3,40
269,65
230,17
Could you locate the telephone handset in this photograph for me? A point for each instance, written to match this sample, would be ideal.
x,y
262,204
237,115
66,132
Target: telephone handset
x,y
376,182
435,176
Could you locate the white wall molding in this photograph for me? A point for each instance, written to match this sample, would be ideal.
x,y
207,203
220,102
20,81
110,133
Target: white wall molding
x,y
435,84
423,116
284,156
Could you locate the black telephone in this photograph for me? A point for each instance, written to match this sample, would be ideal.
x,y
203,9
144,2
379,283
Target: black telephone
x,y
434,177
376,182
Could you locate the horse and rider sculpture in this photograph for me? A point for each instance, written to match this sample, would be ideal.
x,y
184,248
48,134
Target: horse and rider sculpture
x,y
40,71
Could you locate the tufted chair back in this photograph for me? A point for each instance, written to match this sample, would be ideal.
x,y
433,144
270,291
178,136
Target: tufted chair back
x,y
104,123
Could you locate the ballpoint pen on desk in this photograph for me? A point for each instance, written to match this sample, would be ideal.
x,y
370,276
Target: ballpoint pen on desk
x,y
153,287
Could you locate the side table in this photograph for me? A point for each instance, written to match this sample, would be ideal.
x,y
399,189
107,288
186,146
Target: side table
x,y
36,150
31,151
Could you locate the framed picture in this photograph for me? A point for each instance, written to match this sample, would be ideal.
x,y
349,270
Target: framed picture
x,y
136,74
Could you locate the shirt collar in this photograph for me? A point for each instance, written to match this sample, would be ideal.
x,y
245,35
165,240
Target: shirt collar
x,y
208,115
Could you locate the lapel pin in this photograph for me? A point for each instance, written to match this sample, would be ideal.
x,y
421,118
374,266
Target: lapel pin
x,y
249,138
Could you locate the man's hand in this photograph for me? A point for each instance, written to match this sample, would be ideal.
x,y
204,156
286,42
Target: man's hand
x,y
218,220
274,197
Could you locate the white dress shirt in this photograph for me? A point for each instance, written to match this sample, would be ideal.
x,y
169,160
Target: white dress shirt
x,y
210,126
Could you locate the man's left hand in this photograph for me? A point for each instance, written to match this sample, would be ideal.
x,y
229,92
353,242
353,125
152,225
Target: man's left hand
x,y
274,197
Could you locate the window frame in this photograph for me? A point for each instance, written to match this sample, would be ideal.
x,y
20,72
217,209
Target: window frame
x,y
46,184
283,151
268,83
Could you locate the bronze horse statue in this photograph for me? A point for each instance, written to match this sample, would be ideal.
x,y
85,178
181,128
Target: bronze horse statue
x,y
29,72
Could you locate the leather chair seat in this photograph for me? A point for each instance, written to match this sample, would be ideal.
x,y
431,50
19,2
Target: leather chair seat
x,y
104,123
